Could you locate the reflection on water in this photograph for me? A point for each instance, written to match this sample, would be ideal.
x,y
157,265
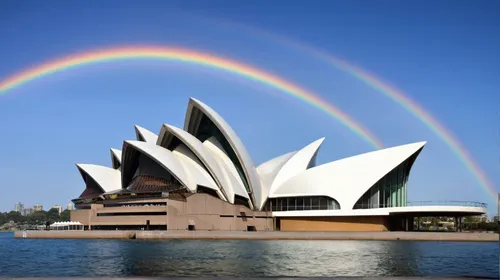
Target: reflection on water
x,y
31,257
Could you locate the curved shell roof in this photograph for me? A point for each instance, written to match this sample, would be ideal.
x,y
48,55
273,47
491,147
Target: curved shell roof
x,y
237,187
298,163
235,142
160,155
145,135
195,171
282,168
346,180
268,170
107,178
223,180
116,158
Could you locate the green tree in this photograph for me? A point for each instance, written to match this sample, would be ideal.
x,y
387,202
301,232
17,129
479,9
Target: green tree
x,y
37,218
14,216
53,215
3,218
65,215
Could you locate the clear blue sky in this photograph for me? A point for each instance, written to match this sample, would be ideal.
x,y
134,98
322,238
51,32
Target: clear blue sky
x,y
443,54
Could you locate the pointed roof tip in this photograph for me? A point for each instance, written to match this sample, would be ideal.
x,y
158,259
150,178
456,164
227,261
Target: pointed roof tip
x,y
420,143
318,141
169,126
131,141
194,99
321,139
199,103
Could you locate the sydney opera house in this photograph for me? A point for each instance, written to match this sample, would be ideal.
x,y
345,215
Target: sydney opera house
x,y
201,177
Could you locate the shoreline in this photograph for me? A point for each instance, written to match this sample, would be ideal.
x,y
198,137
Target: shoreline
x,y
266,235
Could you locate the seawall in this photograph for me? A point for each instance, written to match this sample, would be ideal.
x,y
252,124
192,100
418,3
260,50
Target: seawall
x,y
269,235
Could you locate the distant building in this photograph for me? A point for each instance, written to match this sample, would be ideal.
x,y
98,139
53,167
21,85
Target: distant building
x,y
19,207
37,207
70,206
27,211
58,207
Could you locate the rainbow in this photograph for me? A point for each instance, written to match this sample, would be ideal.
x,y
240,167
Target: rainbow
x,y
382,87
416,110
194,57
413,108
396,95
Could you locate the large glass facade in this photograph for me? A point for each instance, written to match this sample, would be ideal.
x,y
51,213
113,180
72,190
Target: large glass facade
x,y
208,129
391,190
301,203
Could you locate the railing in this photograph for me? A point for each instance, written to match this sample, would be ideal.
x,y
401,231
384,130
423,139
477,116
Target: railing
x,y
426,203
448,203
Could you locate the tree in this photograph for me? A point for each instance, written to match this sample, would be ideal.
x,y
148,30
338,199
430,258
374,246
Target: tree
x,y
37,218
53,215
14,216
65,215
3,218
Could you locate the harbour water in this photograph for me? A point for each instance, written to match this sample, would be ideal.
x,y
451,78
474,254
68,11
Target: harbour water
x,y
90,257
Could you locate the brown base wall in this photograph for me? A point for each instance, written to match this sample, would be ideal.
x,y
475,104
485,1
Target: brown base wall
x,y
374,223
201,211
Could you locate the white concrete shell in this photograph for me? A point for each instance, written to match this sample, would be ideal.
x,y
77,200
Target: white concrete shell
x,y
222,177
107,178
195,171
346,180
236,186
160,155
296,164
116,158
268,170
191,125
145,135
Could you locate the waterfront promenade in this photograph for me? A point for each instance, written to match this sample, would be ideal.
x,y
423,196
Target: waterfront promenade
x,y
267,235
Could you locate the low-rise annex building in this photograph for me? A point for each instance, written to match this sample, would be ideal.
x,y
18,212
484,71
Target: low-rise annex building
x,y
202,177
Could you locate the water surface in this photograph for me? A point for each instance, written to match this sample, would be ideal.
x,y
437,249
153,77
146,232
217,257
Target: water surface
x,y
57,257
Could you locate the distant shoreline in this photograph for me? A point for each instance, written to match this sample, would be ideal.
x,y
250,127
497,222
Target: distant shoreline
x,y
269,235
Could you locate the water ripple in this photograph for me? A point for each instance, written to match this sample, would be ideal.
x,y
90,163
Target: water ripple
x,y
31,257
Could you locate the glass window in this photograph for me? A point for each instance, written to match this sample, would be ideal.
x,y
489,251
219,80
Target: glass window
x,y
292,204
323,204
315,203
300,203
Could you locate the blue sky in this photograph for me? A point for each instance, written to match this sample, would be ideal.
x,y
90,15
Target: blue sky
x,y
442,54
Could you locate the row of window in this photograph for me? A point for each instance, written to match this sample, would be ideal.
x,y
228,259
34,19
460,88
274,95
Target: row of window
x,y
135,204
301,203
132,214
